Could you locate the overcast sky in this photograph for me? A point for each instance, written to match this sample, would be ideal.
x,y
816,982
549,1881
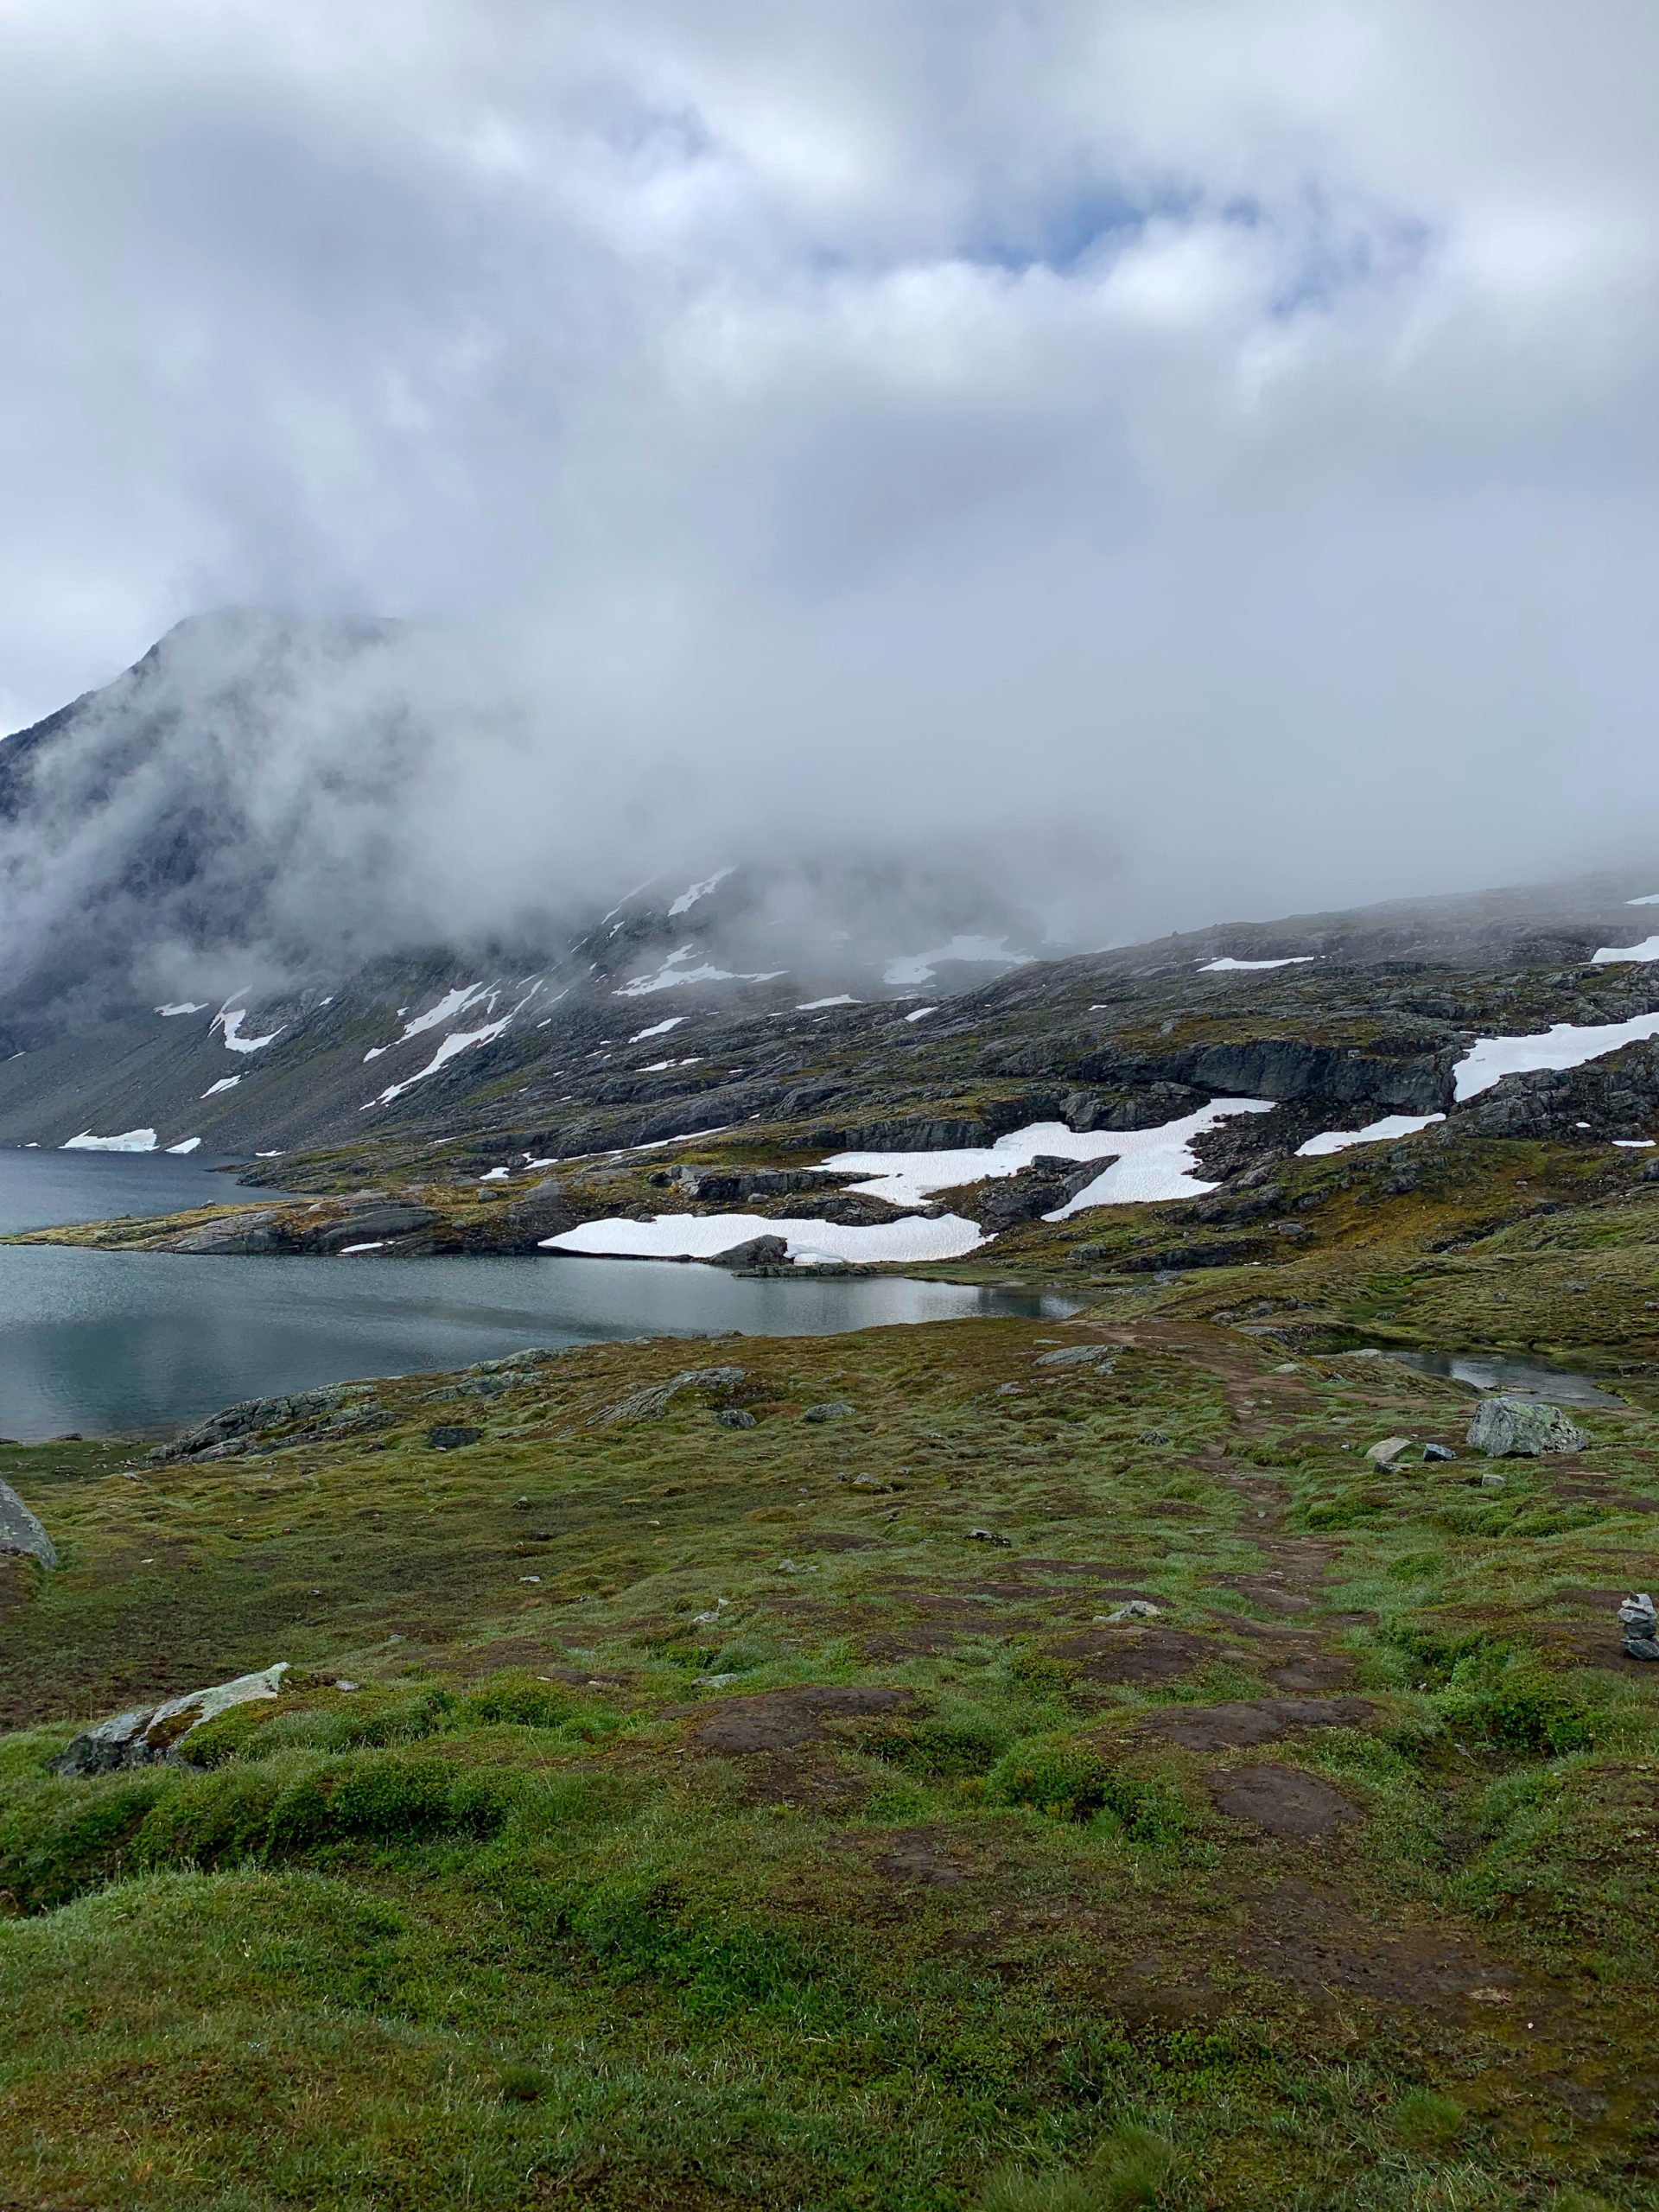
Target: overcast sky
x,y
1222,428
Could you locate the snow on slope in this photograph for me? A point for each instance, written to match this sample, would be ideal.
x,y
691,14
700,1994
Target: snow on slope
x,y
917,967
129,1141
446,1052
705,1235
452,1003
687,900
232,1019
1391,1125
1563,1045
1238,967
672,974
1148,1165
1648,950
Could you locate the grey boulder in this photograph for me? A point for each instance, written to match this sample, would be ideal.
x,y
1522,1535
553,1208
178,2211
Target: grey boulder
x,y
151,1733
757,1252
832,1410
1522,1427
21,1534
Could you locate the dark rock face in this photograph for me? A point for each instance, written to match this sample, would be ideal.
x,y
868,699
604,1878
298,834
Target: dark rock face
x,y
21,1534
337,1410
757,1252
1044,1187
375,1225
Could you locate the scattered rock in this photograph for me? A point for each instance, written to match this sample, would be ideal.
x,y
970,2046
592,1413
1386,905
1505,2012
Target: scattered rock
x,y
735,1417
1133,1609
653,1399
1102,1357
1641,1627
990,1536
21,1534
1492,1480
1280,1800
1522,1427
153,1733
1438,1451
833,1409
1389,1451
450,1436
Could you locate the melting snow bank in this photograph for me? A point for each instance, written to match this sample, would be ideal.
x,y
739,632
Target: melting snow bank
x,y
1147,1165
129,1141
1238,967
1391,1125
1564,1045
232,1018
452,1003
918,967
673,973
1648,950
705,1236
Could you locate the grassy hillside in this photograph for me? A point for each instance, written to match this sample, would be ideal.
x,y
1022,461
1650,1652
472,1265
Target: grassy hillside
x,y
775,1814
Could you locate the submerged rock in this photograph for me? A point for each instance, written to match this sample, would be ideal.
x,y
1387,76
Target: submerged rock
x,y
21,1534
1524,1427
152,1733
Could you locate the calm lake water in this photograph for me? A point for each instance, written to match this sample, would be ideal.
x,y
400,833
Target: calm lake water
x,y
121,1344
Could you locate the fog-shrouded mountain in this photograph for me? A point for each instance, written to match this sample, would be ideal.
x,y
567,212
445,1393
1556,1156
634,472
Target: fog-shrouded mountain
x,y
223,934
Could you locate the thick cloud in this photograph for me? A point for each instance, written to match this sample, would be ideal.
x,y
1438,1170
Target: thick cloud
x,y
1210,439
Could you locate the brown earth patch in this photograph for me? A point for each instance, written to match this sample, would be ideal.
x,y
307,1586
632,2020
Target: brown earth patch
x,y
1254,1721
14,1584
1280,1800
832,1539
916,1858
1135,1655
1312,1938
1267,1590
781,1720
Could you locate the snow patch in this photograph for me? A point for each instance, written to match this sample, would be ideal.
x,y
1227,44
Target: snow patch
x,y
1391,1125
447,1052
1563,1045
452,1003
1652,898
346,1250
704,1237
129,1141
917,967
1648,950
673,973
1238,967
1149,1164
687,900
185,1144
1633,1144
657,1029
232,1019
921,1013
224,1083
814,1006
184,1006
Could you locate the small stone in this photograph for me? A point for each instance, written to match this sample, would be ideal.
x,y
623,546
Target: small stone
x,y
1287,1367
1152,1436
735,1417
989,1537
529,1578
1391,1449
1096,1356
834,1409
713,1682
1527,1427
870,1482
1438,1451
348,1688
21,1534
1135,1609
1009,1390
1492,1480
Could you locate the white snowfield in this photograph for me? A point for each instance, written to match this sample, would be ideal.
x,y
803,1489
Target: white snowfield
x,y
185,1144
452,1003
446,1052
129,1141
1150,1164
705,1235
231,1019
224,1083
687,900
1238,967
843,998
920,1012
1648,899
1565,1046
1648,950
673,973
917,967
657,1029
184,1006
1391,1125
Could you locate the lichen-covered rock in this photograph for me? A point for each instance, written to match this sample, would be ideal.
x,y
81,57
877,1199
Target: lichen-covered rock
x,y
1524,1427
832,1410
1390,1451
153,1733
21,1534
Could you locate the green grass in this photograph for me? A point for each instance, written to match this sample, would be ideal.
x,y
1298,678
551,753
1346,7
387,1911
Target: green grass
x,y
509,1924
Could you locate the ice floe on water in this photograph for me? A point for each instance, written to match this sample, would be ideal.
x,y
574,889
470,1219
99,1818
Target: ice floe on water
x,y
687,900
705,1236
185,1144
1648,950
1147,1165
1391,1125
1566,1045
129,1141
1238,966
917,967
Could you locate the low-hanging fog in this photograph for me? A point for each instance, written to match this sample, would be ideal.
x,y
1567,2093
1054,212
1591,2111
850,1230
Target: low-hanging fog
x,y
1189,458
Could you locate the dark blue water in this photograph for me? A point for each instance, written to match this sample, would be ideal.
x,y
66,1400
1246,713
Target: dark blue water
x,y
121,1344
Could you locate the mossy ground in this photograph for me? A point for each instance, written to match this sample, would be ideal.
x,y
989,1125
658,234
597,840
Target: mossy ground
x,y
721,1820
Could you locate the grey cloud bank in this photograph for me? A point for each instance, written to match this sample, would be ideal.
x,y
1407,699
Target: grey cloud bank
x,y
1201,455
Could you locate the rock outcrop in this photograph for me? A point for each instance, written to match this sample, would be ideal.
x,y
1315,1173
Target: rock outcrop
x,y
1524,1429
21,1534
151,1733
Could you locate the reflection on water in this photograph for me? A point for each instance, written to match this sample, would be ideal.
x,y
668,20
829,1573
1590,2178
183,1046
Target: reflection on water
x,y
1518,1378
111,1343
